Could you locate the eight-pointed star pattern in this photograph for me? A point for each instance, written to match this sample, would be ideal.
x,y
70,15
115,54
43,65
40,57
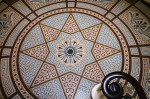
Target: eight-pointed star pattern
x,y
68,53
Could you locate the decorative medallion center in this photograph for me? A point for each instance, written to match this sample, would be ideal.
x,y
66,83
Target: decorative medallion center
x,y
70,51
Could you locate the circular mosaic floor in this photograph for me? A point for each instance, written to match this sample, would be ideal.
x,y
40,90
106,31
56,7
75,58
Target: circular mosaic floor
x,y
61,50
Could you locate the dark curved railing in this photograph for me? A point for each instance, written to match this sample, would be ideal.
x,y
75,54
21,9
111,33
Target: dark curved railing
x,y
115,90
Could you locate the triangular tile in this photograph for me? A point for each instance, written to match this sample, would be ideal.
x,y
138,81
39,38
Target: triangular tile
x,y
70,83
39,52
91,33
50,33
70,26
46,73
101,51
93,72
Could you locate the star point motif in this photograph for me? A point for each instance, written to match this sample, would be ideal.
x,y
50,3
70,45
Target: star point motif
x,y
46,73
49,33
39,51
70,26
91,33
70,83
101,51
73,52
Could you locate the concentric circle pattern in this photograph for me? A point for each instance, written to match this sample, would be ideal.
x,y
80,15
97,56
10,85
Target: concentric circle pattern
x,y
62,49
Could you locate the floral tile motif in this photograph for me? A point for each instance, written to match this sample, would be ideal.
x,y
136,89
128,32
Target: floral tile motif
x,y
51,49
138,24
68,53
8,21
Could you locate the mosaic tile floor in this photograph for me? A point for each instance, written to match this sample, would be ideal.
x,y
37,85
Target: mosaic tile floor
x,y
58,49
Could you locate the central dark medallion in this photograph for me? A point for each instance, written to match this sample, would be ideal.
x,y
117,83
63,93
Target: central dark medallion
x,y
70,51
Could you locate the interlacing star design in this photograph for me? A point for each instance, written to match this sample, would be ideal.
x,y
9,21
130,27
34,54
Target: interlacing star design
x,y
66,52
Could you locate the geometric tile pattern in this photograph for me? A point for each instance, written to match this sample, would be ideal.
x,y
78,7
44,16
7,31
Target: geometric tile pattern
x,y
56,21
46,73
100,51
107,37
28,67
82,56
49,33
146,77
59,50
70,26
49,90
70,83
134,51
135,67
86,22
138,24
6,79
93,72
91,33
34,38
84,89
39,52
111,64
145,50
